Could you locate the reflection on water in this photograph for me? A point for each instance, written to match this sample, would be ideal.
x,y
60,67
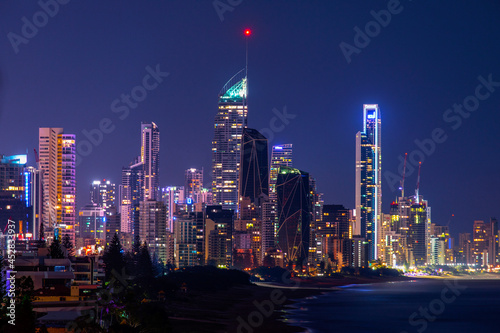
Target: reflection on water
x,y
417,306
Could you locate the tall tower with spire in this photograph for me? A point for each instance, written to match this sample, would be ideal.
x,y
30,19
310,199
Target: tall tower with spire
x,y
229,123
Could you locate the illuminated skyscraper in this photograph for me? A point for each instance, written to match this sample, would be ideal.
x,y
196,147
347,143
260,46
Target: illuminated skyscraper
x,y
229,123
131,194
91,223
368,179
102,193
294,214
153,227
150,155
194,184
57,164
281,155
254,171
15,203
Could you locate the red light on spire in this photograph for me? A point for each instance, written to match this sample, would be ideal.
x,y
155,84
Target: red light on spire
x,y
247,32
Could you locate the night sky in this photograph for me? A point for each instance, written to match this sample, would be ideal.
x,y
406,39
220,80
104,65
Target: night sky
x,y
427,58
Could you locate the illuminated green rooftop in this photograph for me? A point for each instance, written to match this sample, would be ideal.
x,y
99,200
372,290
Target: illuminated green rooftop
x,y
288,170
234,92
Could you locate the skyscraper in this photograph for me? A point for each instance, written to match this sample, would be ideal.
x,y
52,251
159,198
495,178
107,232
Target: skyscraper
x,y
254,169
15,194
194,184
281,155
292,188
153,227
102,193
92,224
131,194
368,178
57,164
150,154
229,123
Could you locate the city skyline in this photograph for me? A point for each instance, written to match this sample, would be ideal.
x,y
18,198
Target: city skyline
x,y
405,111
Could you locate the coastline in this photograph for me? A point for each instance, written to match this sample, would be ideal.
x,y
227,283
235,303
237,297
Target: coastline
x,y
233,310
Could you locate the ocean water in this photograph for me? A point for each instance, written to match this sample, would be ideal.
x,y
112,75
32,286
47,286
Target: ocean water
x,y
423,305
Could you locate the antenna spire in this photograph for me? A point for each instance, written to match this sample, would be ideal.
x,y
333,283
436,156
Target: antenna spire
x,y
402,182
247,32
418,182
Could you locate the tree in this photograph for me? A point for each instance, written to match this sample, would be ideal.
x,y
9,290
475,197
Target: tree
x,y
144,263
55,250
113,258
136,246
66,243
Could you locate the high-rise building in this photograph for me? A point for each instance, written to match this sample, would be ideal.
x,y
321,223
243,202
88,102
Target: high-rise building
x,y
281,155
438,254
57,164
411,224
419,231
218,237
15,194
185,243
113,222
253,191
102,193
131,194
368,178
194,185
333,232
150,158
464,253
493,243
230,121
480,242
91,225
172,196
254,168
294,215
153,227
34,198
